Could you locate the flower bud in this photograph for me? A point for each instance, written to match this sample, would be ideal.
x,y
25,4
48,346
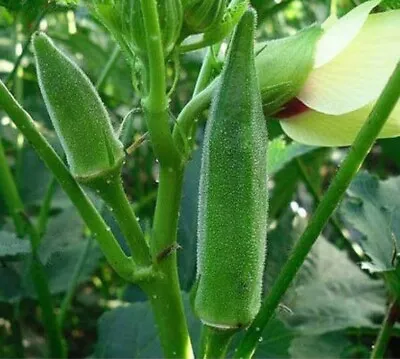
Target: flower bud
x,y
124,19
283,67
201,15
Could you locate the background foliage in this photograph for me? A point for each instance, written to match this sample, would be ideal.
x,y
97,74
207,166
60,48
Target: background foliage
x,y
338,300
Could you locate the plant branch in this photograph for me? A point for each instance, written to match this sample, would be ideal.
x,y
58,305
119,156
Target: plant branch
x,y
317,199
349,168
188,116
113,252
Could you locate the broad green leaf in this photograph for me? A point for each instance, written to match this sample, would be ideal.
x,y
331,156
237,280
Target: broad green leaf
x,y
331,293
34,180
280,153
326,346
11,245
276,342
129,332
373,208
390,4
63,230
10,283
280,241
61,266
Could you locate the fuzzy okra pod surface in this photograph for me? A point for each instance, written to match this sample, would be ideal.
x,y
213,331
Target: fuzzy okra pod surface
x,y
233,192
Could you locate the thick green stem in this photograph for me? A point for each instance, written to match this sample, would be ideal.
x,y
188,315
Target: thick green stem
x,y
10,194
383,339
215,342
328,204
156,102
164,292
113,252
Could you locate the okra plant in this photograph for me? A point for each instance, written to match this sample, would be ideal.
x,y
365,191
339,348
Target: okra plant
x,y
188,172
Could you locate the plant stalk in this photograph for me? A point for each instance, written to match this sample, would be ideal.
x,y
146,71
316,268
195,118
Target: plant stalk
x,y
349,168
380,346
164,292
215,342
10,194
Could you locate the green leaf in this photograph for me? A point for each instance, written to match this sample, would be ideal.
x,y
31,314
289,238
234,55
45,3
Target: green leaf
x,y
61,265
326,346
63,230
280,242
11,245
129,332
373,208
10,283
331,293
390,4
280,153
277,341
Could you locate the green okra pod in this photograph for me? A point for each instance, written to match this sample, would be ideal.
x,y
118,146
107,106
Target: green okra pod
x,y
77,113
233,192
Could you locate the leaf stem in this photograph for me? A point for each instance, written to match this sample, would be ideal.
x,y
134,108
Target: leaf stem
x,y
10,194
349,168
46,206
14,202
67,299
383,339
107,68
113,252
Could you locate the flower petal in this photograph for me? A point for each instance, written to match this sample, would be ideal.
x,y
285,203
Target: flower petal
x,y
318,129
341,32
359,73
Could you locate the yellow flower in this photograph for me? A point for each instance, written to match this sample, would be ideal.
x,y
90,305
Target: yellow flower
x,y
353,60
